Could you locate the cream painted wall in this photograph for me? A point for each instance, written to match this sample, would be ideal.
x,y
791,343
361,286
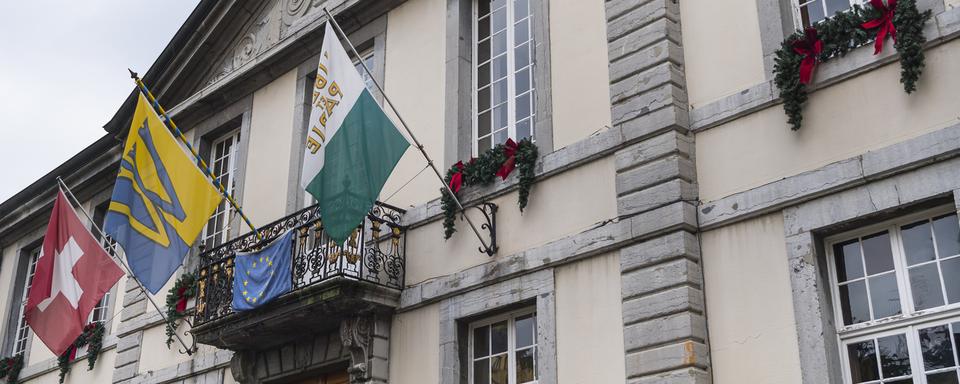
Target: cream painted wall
x,y
414,77
589,322
101,373
586,195
749,303
951,3
864,113
268,156
721,48
579,70
415,346
156,356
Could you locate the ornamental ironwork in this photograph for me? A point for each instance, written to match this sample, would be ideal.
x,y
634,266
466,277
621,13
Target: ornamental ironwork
x,y
373,254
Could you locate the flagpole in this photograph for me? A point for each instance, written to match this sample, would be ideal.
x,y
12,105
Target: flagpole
x,y
203,164
409,132
69,193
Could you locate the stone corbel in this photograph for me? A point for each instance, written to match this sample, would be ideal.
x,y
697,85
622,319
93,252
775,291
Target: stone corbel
x,y
242,366
356,337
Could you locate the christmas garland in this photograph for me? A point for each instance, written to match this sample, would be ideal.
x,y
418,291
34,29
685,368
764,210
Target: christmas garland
x,y
92,336
498,161
10,368
800,53
183,290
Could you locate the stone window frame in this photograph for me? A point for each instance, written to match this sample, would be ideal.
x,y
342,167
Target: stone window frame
x,y
457,313
780,18
371,36
910,319
807,225
234,117
459,86
17,285
511,318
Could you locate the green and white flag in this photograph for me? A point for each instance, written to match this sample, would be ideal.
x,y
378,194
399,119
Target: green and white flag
x,y
352,146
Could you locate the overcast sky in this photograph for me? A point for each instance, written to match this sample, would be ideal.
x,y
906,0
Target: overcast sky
x,y
63,74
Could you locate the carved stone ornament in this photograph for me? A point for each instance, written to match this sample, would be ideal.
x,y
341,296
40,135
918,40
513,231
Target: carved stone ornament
x,y
355,336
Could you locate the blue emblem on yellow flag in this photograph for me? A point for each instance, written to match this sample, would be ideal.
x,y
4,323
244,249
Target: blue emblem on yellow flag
x,y
160,202
259,277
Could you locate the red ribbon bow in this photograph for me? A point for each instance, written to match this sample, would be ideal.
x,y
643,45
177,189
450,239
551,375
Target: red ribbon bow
x,y
810,47
510,152
456,181
182,302
884,22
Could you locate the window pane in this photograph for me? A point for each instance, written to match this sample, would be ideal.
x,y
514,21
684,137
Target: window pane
x,y
523,107
525,366
522,58
483,123
483,7
520,9
951,277
947,230
863,362
849,261
901,381
500,117
524,327
877,253
494,4
956,337
499,67
483,28
936,347
498,337
481,371
483,51
483,99
484,144
834,6
523,129
523,81
481,342
499,44
943,378
521,31
894,358
918,242
925,284
884,296
498,369
483,75
853,300
814,12
499,20
500,92
500,137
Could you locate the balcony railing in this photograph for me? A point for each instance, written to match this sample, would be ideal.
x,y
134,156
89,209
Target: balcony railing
x,y
373,254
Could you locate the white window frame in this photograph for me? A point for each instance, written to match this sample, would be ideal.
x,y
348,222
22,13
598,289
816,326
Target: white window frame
x,y
510,317
510,54
909,321
798,15
229,212
22,333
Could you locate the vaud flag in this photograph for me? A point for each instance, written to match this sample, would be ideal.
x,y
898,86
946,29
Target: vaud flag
x,y
352,146
160,202
73,273
263,275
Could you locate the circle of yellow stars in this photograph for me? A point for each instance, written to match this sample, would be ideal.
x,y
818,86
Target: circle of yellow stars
x,y
246,293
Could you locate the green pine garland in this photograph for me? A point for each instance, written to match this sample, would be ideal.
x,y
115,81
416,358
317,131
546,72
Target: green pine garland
x,y
483,171
184,288
92,336
841,34
10,368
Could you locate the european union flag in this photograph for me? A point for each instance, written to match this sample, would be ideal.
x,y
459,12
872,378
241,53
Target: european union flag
x,y
259,277
160,202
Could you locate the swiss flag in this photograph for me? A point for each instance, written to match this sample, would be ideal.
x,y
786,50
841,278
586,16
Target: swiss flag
x,y
72,275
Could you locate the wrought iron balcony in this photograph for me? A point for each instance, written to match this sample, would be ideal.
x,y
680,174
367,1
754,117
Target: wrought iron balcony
x,y
329,280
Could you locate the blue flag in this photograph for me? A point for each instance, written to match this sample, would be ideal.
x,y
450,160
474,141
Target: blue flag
x,y
161,200
261,276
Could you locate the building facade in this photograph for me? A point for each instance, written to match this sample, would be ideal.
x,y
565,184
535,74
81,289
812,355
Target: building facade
x,y
678,231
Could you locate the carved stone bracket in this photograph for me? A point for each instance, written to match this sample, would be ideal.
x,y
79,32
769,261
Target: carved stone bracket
x,y
355,336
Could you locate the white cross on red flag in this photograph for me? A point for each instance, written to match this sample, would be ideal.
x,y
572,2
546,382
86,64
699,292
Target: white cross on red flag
x,y
72,275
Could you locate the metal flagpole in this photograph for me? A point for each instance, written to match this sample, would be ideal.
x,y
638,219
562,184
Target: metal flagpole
x,y
203,164
103,235
407,128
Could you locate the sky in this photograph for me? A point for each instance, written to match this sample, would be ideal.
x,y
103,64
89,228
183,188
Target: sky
x,y
63,74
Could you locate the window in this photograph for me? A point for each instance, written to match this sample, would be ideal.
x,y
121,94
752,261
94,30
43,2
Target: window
x,y
23,329
812,11
367,79
223,160
100,313
504,101
503,350
898,287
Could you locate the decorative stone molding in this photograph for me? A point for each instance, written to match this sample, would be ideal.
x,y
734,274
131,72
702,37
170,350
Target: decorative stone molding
x,y
355,336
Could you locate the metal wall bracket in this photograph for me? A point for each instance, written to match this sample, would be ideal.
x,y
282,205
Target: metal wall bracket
x,y
489,211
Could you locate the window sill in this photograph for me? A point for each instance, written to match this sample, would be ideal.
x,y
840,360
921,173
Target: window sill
x,y
943,27
34,371
900,321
